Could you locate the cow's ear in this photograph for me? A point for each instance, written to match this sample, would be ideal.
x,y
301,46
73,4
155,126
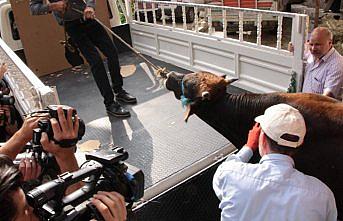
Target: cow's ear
x,y
188,112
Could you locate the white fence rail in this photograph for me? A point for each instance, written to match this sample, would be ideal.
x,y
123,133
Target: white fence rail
x,y
221,45
30,92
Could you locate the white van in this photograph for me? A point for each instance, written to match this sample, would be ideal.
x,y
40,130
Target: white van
x,y
8,28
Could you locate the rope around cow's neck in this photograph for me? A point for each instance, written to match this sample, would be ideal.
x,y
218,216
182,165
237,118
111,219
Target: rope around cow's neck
x,y
184,100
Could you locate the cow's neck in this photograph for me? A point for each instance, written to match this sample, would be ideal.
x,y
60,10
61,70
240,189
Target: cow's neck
x,y
233,115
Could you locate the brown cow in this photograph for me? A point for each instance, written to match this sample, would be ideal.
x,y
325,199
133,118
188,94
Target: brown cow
x,y
321,155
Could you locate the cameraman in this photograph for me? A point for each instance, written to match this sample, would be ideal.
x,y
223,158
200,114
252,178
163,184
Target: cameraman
x,y
13,205
111,205
17,142
9,120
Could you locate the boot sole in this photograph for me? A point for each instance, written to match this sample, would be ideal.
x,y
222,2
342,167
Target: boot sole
x,y
118,115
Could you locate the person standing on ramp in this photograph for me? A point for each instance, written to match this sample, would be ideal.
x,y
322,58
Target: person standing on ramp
x,y
89,35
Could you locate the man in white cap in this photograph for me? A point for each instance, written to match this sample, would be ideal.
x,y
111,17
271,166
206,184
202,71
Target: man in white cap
x,y
272,189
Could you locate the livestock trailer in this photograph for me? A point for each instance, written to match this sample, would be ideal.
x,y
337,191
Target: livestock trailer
x,y
178,159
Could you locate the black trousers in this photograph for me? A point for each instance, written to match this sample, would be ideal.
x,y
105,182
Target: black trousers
x,y
88,36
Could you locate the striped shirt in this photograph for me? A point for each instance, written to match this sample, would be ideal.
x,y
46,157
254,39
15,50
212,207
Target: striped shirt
x,y
325,75
37,7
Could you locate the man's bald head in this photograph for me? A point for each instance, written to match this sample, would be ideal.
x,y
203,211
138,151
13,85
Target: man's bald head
x,y
323,32
320,42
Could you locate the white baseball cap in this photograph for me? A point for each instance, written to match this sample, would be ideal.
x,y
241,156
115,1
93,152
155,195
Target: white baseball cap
x,y
283,124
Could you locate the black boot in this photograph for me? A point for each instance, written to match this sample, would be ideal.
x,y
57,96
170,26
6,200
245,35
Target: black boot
x,y
117,111
125,97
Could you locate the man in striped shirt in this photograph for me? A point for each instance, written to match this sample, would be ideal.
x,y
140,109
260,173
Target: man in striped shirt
x,y
324,69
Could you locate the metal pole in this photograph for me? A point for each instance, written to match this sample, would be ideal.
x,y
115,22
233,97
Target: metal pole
x,y
316,15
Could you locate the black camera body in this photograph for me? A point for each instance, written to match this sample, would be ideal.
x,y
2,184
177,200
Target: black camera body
x,y
45,126
47,161
104,171
6,99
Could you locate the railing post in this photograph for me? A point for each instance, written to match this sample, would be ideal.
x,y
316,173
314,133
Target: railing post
x,y
298,40
153,13
209,21
259,29
279,32
173,17
184,17
224,24
240,26
163,16
145,12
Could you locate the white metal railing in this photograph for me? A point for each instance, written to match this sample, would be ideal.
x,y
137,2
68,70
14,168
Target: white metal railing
x,y
29,91
260,60
213,12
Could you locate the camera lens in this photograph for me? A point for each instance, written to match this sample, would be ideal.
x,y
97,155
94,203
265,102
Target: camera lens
x,y
6,100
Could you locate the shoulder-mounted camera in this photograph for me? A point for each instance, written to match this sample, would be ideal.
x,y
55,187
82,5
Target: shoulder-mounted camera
x,y
104,171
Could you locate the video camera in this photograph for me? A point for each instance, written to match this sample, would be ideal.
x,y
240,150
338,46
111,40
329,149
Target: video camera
x,y
6,99
50,168
104,171
45,126
47,161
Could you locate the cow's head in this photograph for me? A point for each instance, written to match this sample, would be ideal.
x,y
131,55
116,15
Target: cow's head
x,y
194,88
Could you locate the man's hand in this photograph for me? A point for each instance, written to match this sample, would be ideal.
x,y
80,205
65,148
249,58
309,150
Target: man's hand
x,y
253,137
64,129
29,124
111,205
89,13
3,69
16,143
59,6
29,168
290,47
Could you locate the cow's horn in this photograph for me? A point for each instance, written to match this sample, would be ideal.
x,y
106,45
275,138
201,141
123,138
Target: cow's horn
x,y
205,95
169,73
229,81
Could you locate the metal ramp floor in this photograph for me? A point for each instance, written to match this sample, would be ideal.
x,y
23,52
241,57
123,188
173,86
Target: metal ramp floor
x,y
158,140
